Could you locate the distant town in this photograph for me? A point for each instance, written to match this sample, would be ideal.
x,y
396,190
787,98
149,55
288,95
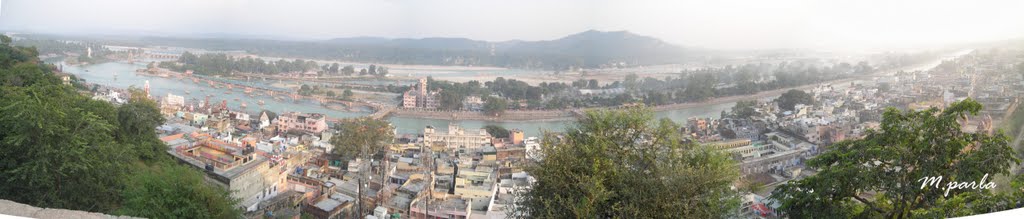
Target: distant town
x,y
286,163
519,109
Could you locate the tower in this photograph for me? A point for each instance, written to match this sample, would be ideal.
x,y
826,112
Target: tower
x,y
146,87
423,86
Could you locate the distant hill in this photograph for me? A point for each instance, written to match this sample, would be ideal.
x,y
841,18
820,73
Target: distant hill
x,y
589,49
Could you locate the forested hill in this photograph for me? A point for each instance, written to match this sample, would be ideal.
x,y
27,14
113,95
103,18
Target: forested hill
x,y
62,149
589,49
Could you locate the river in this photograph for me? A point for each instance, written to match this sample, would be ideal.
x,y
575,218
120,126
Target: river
x,y
122,75
125,76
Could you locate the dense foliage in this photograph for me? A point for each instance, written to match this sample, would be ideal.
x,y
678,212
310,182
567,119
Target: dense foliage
x,y
361,137
789,100
171,191
61,149
496,131
690,86
495,106
623,164
880,175
222,64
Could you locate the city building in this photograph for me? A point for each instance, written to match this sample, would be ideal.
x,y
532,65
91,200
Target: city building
x,y
474,103
456,137
247,173
314,123
516,136
420,97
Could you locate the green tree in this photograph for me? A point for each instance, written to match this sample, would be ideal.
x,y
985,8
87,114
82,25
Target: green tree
x,y
138,119
361,137
789,100
347,94
5,39
621,164
450,99
58,149
61,149
593,84
334,68
348,70
744,109
495,106
305,90
891,163
496,131
174,191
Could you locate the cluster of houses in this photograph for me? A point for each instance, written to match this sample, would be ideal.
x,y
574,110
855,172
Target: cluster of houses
x,y
282,165
771,146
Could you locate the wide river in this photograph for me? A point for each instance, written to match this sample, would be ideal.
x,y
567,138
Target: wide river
x,y
122,75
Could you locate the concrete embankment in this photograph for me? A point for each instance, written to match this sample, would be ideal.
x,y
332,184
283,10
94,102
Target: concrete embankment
x,y
510,115
11,208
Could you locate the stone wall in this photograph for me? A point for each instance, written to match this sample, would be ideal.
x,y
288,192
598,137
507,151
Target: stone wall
x,y
10,208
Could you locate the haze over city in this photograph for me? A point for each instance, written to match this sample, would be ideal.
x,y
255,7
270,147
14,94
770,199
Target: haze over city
x,y
824,25
480,109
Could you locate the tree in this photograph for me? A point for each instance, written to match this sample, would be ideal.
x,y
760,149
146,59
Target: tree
x,y
631,82
61,149
305,90
152,194
138,119
331,93
361,137
6,40
892,162
334,68
744,109
347,94
348,70
495,106
58,149
496,131
789,100
621,164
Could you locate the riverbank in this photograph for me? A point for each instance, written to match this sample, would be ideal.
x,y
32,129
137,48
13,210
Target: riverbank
x,y
510,115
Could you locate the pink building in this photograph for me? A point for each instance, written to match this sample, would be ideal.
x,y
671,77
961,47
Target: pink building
x,y
307,122
419,97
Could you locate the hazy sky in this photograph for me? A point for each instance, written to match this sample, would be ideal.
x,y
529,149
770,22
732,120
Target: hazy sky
x,y
718,24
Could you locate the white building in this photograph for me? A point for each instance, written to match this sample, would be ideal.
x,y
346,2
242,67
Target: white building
x,y
456,137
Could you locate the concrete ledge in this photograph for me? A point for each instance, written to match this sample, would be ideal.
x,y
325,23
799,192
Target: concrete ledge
x,y
22,210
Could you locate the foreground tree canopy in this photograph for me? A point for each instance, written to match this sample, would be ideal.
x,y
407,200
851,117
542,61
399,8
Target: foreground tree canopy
x,y
361,136
880,175
623,164
61,149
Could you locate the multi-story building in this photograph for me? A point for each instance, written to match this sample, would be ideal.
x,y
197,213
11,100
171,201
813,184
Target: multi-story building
x,y
420,97
474,103
307,122
456,137
516,136
249,176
